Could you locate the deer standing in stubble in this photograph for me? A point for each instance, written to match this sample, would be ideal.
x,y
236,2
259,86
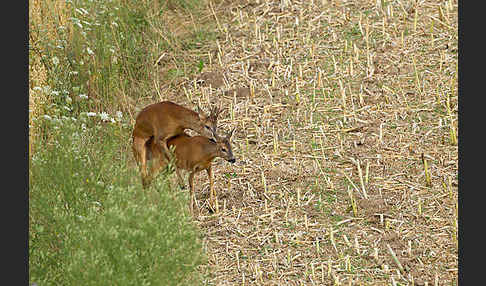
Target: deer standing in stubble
x,y
162,121
195,154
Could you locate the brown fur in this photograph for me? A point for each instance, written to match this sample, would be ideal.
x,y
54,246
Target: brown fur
x,y
195,154
162,121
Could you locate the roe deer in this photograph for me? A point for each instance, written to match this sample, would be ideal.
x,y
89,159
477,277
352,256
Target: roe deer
x,y
195,154
162,121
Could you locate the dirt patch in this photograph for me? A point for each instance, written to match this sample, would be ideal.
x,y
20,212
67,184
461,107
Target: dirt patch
x,y
213,79
373,206
241,92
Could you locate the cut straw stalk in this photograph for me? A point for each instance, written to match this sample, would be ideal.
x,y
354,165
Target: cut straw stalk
x,y
415,20
331,238
360,172
453,136
298,196
451,195
353,202
428,181
417,78
419,207
394,257
264,183
365,195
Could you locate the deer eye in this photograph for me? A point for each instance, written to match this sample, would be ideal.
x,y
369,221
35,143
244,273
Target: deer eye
x,y
224,150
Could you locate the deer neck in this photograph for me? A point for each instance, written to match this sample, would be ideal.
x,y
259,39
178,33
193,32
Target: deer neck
x,y
189,118
211,149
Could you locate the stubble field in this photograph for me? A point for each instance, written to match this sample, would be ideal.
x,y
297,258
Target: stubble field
x,y
346,143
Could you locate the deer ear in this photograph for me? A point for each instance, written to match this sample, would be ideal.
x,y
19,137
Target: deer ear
x,y
215,111
201,114
219,109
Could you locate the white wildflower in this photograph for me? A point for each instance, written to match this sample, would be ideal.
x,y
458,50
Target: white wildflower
x,y
47,117
90,51
68,99
119,114
83,96
55,61
55,92
104,116
91,114
79,11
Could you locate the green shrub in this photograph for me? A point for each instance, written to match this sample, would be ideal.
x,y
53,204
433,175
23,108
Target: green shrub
x,y
90,222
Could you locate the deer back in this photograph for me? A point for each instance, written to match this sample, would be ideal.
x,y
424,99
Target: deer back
x,y
168,119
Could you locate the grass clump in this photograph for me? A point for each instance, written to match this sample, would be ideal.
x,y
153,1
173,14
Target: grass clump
x,y
135,243
90,222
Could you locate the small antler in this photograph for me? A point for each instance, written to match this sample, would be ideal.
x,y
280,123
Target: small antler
x,y
199,110
201,113
230,134
215,111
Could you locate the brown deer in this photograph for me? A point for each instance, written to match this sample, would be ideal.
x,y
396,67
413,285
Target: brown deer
x,y
162,121
195,154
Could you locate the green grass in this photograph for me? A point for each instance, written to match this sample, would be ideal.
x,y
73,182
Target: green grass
x,y
91,223
108,51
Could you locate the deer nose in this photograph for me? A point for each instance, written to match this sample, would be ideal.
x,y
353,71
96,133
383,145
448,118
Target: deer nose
x,y
232,160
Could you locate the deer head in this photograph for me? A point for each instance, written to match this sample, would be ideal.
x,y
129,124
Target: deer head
x,y
224,146
209,122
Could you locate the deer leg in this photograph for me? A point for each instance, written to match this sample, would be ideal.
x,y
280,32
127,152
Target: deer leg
x,y
139,152
160,157
181,180
212,193
193,194
158,161
161,141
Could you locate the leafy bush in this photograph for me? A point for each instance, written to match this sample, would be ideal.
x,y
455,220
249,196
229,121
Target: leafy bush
x,y
92,224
